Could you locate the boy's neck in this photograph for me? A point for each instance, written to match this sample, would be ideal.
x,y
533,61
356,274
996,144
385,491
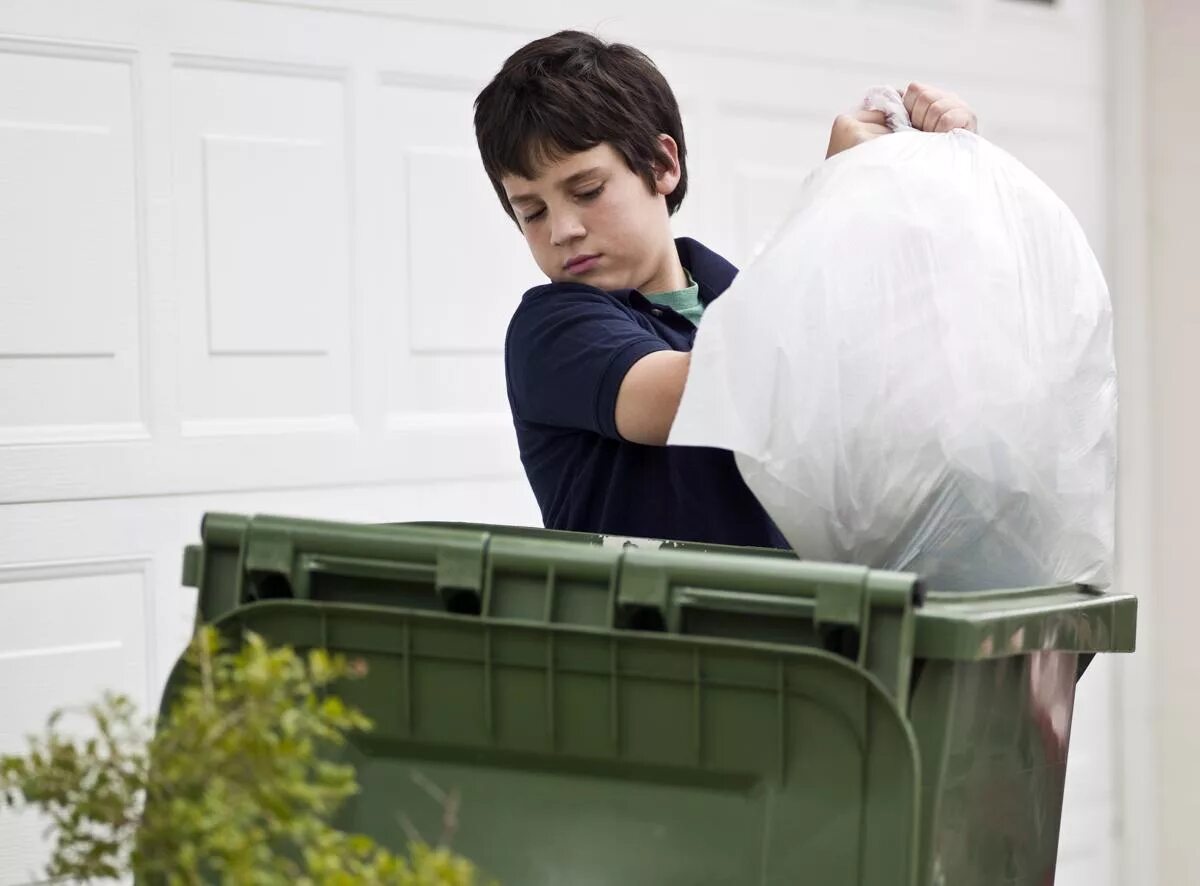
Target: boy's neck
x,y
669,277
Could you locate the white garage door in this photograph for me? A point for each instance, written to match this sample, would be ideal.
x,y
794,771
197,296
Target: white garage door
x,y
249,261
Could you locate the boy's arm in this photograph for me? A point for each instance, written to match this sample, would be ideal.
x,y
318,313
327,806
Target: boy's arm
x,y
649,397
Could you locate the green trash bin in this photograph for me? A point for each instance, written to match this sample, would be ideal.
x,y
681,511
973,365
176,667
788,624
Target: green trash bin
x,y
616,711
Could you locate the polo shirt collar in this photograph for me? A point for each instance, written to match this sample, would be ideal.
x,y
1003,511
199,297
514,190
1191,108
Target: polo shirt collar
x,y
711,272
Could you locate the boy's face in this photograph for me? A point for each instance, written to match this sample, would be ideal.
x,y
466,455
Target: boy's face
x,y
589,218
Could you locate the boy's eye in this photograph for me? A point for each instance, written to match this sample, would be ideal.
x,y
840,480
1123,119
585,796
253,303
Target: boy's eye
x,y
586,196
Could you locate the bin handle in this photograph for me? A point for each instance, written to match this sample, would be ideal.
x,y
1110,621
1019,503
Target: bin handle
x,y
451,566
878,604
443,577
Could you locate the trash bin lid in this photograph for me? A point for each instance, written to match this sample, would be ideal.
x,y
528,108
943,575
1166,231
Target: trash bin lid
x,y
962,626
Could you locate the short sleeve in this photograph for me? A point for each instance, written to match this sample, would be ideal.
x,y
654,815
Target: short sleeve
x,y
566,356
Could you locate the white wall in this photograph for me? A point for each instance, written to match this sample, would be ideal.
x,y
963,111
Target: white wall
x,y
248,261
1171,683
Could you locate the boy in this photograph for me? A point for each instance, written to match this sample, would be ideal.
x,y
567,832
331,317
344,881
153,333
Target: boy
x,y
583,143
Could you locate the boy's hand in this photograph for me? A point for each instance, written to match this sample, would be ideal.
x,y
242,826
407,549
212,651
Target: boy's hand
x,y
854,129
935,110
930,109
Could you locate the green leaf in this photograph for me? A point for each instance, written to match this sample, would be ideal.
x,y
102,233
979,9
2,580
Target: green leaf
x,y
235,784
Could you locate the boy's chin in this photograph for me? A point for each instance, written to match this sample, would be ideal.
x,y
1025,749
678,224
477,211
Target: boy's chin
x,y
599,281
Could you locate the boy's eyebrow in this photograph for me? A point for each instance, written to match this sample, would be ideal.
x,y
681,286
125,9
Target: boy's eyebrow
x,y
569,181
580,176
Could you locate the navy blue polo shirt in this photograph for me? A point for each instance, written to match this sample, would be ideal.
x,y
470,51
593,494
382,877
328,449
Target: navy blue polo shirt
x,y
569,346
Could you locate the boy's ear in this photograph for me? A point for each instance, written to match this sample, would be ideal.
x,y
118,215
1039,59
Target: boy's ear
x,y
666,174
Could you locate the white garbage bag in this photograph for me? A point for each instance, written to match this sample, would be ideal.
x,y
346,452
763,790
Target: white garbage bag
x,y
918,373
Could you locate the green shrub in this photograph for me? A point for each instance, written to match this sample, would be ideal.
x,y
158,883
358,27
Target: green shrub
x,y
234,786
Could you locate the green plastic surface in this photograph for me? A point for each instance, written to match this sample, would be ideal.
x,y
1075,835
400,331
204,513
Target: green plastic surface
x,y
629,711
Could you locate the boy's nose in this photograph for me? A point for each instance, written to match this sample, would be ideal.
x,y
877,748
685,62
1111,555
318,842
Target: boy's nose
x,y
565,229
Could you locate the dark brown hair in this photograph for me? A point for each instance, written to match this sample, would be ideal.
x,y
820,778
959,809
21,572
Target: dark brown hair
x,y
570,92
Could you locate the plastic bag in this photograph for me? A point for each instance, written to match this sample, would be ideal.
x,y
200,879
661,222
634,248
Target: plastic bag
x,y
918,373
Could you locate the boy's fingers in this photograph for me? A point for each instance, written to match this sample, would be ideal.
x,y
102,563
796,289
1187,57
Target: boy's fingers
x,y
957,118
920,110
911,93
918,98
855,128
865,116
936,112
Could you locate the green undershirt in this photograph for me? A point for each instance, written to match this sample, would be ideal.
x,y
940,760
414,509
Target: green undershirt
x,y
685,302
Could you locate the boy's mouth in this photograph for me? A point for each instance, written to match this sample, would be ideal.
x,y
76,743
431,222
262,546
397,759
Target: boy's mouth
x,y
580,263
